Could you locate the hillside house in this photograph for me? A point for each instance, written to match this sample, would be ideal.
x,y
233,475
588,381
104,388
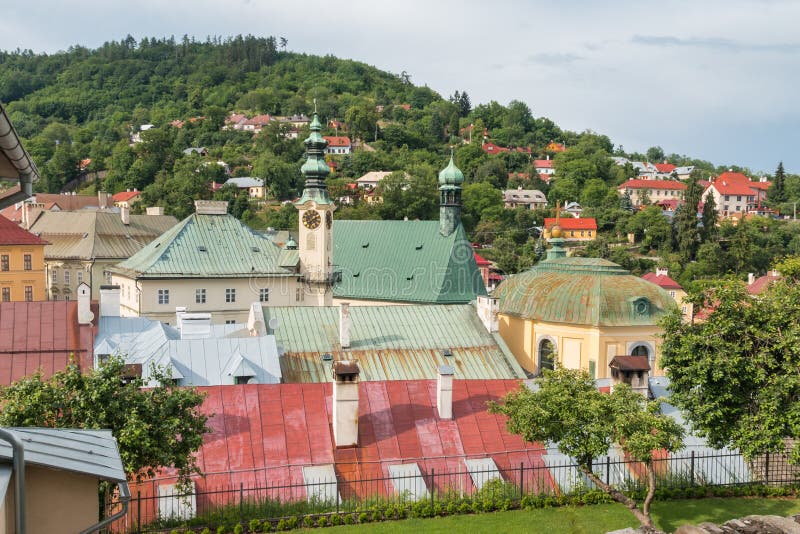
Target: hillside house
x,y
531,199
651,191
252,187
573,228
338,145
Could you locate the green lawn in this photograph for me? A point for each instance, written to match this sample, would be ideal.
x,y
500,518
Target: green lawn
x,y
668,515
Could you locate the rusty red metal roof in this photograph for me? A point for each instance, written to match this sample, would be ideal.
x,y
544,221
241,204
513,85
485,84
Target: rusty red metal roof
x,y
42,335
266,433
630,363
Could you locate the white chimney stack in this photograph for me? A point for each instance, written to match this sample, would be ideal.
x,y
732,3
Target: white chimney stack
x,y
444,391
109,301
180,311
125,214
102,199
155,210
85,315
751,277
195,325
344,325
662,271
345,403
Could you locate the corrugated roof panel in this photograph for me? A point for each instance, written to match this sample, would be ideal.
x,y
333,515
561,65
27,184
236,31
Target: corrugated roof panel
x,y
93,452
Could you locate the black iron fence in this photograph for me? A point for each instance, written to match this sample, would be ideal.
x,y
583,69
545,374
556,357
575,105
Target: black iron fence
x,y
155,508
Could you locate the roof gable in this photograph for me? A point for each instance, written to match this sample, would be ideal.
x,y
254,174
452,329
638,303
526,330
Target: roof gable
x,y
572,223
203,246
404,261
13,234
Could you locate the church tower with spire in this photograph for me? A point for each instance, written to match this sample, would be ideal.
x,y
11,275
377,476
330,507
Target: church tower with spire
x,y
450,180
315,210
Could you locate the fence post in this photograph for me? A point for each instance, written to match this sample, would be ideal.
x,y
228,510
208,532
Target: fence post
x,y
766,469
608,470
241,502
691,470
433,486
521,479
139,511
337,495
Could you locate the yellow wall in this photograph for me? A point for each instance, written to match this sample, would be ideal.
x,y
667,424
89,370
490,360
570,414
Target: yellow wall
x,y
576,345
55,502
17,278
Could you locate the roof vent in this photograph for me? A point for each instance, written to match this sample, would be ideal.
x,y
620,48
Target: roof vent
x,y
327,357
356,274
410,277
202,248
255,249
447,353
419,246
365,244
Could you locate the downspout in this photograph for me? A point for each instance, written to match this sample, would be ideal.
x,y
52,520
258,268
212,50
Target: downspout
x,y
19,478
124,497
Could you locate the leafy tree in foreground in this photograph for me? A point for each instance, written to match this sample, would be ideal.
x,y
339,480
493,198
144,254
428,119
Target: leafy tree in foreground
x,y
157,426
737,374
567,409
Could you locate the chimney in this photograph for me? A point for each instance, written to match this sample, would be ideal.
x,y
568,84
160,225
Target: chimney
x,y
211,207
180,311
102,199
345,403
444,391
344,325
85,315
662,271
125,215
750,279
155,210
195,325
109,301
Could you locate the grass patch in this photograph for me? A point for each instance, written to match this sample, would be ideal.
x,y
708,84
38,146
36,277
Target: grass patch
x,y
668,515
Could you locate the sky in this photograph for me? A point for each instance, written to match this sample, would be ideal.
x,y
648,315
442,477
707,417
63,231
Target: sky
x,y
715,80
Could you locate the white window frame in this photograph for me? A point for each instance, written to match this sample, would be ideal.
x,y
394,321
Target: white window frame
x,y
263,294
200,295
163,296
230,295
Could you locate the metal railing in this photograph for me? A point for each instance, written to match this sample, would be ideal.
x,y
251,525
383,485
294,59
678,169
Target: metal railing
x,y
155,507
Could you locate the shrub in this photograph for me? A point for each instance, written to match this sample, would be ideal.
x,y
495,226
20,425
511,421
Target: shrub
x,y
438,509
281,526
377,516
205,531
336,520
506,505
452,508
308,521
363,517
391,512
292,522
254,525
465,508
238,529
348,519
221,529
476,507
322,521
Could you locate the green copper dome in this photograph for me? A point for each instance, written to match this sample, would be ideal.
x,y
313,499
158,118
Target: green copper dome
x,y
451,175
583,291
315,170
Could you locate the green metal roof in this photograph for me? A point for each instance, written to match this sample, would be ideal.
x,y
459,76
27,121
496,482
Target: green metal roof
x,y
451,175
389,342
204,246
585,291
404,261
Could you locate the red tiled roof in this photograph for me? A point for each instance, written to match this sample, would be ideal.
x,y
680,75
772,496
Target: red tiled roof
x,y
125,196
663,281
42,335
12,234
337,140
258,120
669,203
725,187
653,184
543,163
545,177
760,185
480,260
555,147
762,282
665,168
491,148
572,223
266,433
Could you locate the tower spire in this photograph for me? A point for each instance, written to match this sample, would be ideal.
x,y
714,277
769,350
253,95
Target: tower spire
x,y
450,180
315,169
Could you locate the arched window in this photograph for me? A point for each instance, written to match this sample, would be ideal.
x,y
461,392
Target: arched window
x,y
640,350
547,354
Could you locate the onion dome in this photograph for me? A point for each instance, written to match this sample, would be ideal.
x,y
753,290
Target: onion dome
x,y
451,175
291,244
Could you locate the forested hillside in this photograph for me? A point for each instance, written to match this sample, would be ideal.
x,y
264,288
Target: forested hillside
x,y
84,104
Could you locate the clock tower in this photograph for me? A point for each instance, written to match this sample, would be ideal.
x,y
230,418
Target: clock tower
x,y
315,210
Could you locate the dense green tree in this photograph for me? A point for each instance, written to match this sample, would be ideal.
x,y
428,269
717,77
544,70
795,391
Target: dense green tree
x,y
777,191
476,198
687,235
709,219
568,410
655,154
736,375
157,426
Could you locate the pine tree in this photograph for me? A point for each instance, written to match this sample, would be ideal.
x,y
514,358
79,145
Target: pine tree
x,y
687,235
777,192
464,104
709,219
625,203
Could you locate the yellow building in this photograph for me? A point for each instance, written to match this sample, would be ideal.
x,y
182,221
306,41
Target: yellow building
x,y
579,313
22,273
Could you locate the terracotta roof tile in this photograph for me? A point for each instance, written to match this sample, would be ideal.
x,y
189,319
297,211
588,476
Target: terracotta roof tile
x,y
663,280
572,223
653,184
337,140
12,234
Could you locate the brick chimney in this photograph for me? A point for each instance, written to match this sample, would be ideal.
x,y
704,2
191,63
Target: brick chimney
x,y
345,403
444,391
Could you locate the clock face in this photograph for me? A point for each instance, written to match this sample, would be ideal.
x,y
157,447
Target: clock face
x,y
328,219
311,219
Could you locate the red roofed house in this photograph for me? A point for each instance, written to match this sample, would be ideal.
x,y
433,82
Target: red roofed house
x,y
276,435
255,124
126,199
43,335
22,270
338,144
662,279
575,229
555,147
756,286
734,192
665,168
483,268
491,148
654,190
544,166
